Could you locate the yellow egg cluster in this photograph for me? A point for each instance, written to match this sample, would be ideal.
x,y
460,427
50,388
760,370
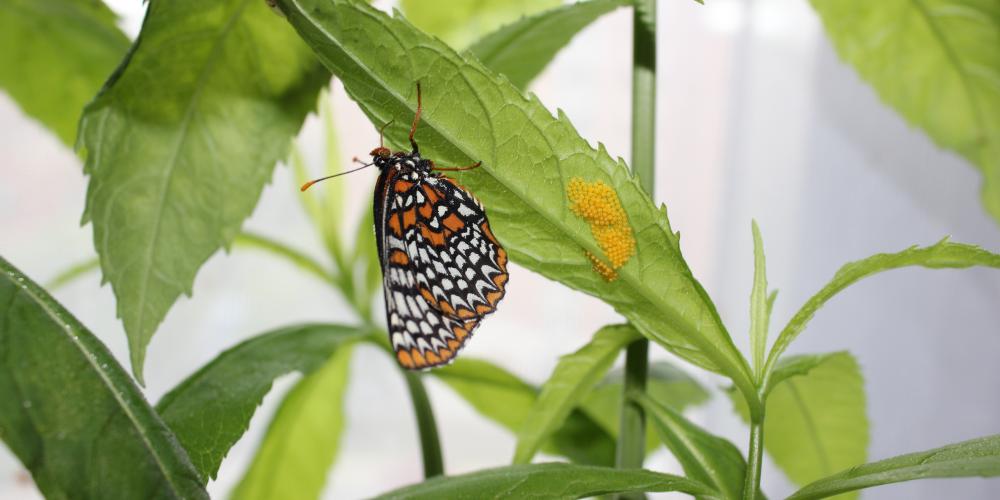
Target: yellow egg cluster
x,y
598,204
601,268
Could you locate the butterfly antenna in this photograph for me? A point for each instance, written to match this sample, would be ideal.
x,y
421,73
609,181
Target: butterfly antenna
x,y
314,181
416,118
382,129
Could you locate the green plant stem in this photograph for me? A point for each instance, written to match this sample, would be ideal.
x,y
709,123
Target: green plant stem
x,y
631,449
751,484
632,436
430,445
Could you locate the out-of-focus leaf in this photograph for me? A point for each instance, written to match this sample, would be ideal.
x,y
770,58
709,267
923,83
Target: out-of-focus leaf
x,y
71,414
73,272
943,255
296,257
760,311
369,272
529,158
56,54
332,194
936,62
816,421
705,457
180,142
666,384
522,49
549,481
569,384
302,442
211,409
459,22
505,399
974,458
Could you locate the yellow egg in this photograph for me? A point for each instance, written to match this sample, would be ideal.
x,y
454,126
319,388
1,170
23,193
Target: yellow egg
x,y
598,204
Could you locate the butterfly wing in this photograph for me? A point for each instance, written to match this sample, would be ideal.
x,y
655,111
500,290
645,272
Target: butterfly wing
x,y
443,269
461,267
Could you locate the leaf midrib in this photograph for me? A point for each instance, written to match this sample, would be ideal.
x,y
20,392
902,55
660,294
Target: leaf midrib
x,y
690,445
112,388
952,56
567,403
540,19
649,295
172,163
811,428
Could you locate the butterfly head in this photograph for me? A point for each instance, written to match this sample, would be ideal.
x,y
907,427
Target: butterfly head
x,y
381,157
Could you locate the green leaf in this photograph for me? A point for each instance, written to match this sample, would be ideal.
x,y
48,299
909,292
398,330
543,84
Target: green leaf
x,y
936,62
291,255
332,196
552,480
71,414
302,441
56,55
666,384
705,457
522,49
73,272
323,205
569,384
816,421
942,255
211,409
507,400
528,157
791,366
977,457
760,306
181,141
463,21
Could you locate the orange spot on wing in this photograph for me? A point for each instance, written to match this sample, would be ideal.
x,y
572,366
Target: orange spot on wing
x,y
402,186
493,297
502,258
405,359
399,257
428,296
432,194
499,280
454,345
465,313
482,309
453,222
460,332
418,359
409,218
436,239
394,225
426,210
433,358
446,355
446,308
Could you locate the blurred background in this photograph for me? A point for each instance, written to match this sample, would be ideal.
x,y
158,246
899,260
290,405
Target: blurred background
x,y
757,119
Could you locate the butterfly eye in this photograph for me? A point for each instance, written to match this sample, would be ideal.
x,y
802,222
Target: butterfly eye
x,y
381,152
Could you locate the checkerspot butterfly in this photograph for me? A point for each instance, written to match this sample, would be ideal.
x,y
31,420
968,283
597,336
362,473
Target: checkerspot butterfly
x,y
443,270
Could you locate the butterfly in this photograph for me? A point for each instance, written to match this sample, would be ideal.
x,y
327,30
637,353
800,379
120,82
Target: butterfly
x,y
443,269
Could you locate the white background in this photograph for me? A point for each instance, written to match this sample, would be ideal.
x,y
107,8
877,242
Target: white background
x,y
758,118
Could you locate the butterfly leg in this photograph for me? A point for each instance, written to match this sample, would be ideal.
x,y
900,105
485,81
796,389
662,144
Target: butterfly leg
x,y
456,169
416,118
